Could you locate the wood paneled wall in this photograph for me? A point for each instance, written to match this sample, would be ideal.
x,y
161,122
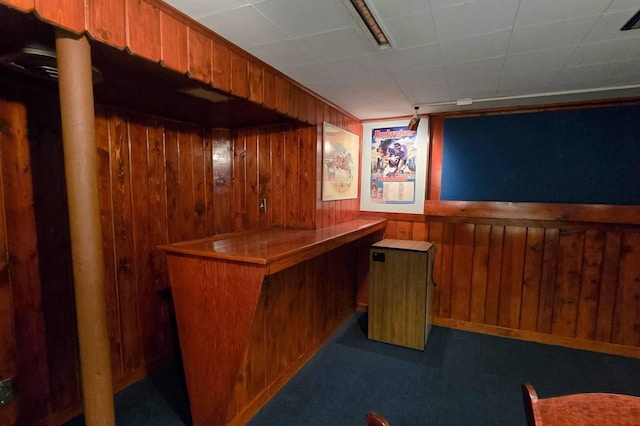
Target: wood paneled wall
x,y
569,281
161,181
298,309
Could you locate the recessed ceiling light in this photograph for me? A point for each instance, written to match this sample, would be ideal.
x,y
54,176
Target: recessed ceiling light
x,y
633,23
365,19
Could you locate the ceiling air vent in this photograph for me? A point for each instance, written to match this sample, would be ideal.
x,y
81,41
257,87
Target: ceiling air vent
x,y
39,62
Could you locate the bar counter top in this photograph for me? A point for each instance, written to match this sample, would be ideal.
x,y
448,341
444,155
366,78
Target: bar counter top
x,y
276,248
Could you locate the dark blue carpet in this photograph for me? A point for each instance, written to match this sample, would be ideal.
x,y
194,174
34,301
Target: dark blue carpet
x,y
461,378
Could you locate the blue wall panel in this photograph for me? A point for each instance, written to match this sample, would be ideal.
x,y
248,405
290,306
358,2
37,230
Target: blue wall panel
x,y
589,156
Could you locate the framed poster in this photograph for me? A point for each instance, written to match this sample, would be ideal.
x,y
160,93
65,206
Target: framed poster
x,y
394,167
340,154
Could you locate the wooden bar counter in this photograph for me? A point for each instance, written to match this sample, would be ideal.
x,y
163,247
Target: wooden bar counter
x,y
258,304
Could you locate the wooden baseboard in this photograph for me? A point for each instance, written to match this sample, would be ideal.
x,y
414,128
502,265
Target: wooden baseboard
x,y
263,398
532,336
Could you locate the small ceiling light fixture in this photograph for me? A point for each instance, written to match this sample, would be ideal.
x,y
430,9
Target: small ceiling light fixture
x,y
415,120
370,22
633,23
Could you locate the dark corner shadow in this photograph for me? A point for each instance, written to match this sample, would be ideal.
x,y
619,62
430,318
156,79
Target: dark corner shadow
x,y
171,385
356,332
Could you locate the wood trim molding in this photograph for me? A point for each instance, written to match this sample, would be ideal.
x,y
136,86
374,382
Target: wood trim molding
x,y
591,213
532,336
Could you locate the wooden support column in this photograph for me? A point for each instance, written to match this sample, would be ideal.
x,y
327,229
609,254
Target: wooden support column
x,y
78,133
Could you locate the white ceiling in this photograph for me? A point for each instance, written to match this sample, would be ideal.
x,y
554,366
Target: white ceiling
x,y
442,50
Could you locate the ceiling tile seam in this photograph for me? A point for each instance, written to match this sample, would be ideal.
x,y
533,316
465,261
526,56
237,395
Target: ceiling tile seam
x,y
435,30
506,53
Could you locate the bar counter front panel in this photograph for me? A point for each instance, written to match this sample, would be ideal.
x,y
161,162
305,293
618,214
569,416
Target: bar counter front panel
x,y
253,307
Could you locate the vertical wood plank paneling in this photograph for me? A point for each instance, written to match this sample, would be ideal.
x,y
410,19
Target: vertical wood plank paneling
x,y
609,286
548,283
160,342
532,279
200,188
511,276
626,320
482,239
282,95
419,231
278,174
54,248
404,230
446,272
494,276
104,137
222,181
565,306
199,66
186,214
306,191
208,181
143,35
270,92
69,14
106,21
239,181
590,284
435,235
265,178
292,178
256,82
252,182
172,167
221,70
173,43
141,232
33,377
239,75
124,248
462,271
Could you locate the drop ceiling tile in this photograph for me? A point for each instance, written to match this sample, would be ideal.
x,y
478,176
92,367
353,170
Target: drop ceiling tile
x,y
475,69
302,18
309,73
284,53
414,57
199,8
417,77
232,24
473,18
571,85
385,9
336,44
428,93
475,87
540,60
556,34
525,81
595,73
629,73
410,31
606,51
617,5
608,27
533,12
357,69
478,47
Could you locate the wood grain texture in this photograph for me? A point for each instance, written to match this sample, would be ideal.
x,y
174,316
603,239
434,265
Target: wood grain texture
x,y
106,21
574,282
144,35
398,309
22,248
